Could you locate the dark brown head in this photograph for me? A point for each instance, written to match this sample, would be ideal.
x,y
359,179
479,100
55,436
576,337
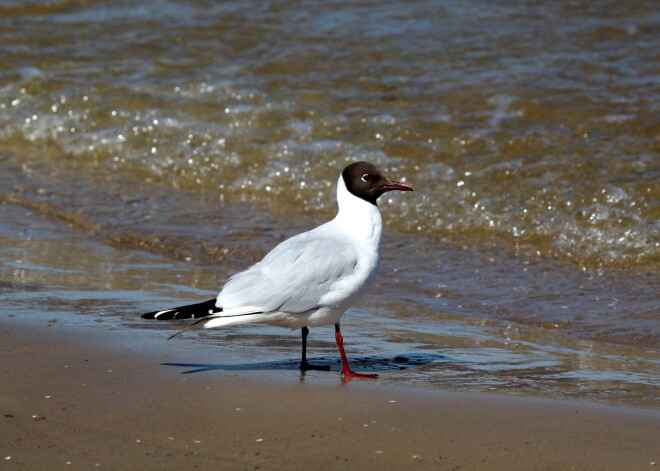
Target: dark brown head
x,y
368,182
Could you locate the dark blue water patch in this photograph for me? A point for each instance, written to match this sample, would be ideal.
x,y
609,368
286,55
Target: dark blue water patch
x,y
369,363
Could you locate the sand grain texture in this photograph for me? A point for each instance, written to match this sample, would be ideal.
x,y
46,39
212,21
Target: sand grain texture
x,y
68,405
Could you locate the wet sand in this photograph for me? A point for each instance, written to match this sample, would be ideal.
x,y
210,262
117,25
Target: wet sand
x,y
70,401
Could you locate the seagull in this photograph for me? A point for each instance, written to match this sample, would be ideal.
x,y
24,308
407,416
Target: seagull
x,y
310,279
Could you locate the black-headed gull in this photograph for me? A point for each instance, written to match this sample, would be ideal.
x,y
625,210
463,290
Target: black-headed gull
x,y
312,278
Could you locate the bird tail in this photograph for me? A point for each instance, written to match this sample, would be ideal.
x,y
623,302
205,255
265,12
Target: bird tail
x,y
205,312
190,311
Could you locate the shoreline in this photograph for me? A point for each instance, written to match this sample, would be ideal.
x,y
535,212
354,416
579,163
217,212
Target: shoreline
x,y
71,398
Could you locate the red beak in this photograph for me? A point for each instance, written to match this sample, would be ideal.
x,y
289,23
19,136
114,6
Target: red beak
x,y
397,186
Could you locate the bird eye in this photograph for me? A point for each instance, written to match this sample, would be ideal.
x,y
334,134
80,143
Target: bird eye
x,y
366,178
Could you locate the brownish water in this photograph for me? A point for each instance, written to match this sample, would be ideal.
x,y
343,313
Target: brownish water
x,y
178,142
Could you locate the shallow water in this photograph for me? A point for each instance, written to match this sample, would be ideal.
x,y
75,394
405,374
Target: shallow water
x,y
535,123
53,274
166,144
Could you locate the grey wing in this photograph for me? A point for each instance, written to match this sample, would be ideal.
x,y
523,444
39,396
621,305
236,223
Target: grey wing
x,y
293,276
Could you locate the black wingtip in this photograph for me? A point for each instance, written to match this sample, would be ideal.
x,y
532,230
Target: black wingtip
x,y
191,311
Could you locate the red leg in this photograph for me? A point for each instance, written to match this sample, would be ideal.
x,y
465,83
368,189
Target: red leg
x,y
345,369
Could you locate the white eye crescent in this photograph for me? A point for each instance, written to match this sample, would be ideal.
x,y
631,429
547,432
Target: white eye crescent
x,y
365,178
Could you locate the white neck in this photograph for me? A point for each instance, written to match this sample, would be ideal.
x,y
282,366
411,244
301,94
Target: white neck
x,y
359,217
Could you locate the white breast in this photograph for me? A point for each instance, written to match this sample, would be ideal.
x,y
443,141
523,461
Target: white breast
x,y
360,223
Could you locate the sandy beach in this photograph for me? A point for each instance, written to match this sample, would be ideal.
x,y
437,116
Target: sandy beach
x,y
69,402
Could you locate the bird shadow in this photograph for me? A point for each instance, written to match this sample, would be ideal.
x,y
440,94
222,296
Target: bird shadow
x,y
399,362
